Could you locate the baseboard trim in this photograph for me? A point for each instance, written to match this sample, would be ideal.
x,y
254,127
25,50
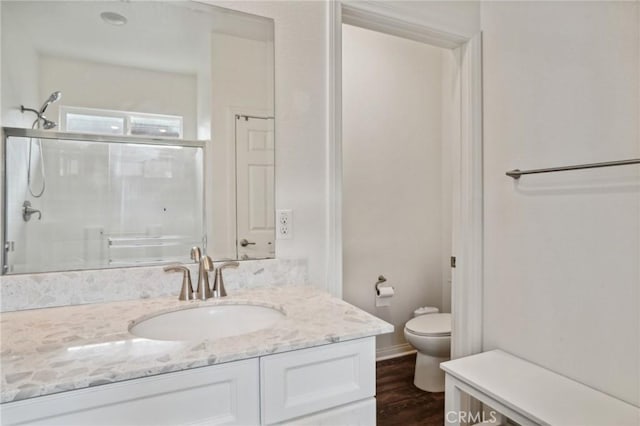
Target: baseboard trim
x,y
394,351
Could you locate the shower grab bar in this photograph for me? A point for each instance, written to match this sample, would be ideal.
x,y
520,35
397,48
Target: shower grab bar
x,y
517,173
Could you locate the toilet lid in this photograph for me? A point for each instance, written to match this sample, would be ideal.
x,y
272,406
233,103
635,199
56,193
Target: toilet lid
x,y
430,325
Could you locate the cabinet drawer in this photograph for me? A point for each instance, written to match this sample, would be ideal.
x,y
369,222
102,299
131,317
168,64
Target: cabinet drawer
x,y
225,394
294,384
361,413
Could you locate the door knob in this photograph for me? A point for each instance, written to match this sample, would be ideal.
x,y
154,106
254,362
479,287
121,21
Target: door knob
x,y
244,242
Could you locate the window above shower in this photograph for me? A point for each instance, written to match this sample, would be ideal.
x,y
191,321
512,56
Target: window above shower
x,y
108,122
127,120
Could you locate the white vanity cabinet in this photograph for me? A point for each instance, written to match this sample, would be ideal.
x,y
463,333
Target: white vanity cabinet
x,y
225,394
324,385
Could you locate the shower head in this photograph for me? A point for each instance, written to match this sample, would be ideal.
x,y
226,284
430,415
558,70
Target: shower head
x,y
54,97
42,120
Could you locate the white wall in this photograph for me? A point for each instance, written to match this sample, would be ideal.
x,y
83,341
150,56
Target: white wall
x,y
114,87
392,174
562,251
19,76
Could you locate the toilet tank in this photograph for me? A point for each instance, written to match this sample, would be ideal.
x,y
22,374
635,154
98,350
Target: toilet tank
x,y
424,310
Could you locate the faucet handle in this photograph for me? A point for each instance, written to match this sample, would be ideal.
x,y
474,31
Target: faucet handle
x,y
218,284
27,211
196,254
207,263
186,292
232,264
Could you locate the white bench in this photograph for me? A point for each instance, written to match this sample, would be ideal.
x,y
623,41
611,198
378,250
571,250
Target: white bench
x,y
529,394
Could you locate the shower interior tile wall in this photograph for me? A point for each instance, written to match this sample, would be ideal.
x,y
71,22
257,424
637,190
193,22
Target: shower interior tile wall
x,y
97,192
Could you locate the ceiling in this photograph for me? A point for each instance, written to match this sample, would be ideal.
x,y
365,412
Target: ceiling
x,y
164,36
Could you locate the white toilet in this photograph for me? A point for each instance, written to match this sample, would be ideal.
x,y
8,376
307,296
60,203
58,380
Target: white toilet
x,y
430,334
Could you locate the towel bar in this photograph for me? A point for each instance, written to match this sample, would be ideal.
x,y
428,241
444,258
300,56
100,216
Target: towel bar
x,y
517,173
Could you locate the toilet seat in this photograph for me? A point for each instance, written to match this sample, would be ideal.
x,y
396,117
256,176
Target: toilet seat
x,y
430,325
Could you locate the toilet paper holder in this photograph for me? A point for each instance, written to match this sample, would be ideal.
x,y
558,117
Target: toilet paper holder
x,y
381,279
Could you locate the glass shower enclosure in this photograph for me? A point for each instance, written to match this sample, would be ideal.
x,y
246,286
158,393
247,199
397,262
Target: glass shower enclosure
x,y
82,201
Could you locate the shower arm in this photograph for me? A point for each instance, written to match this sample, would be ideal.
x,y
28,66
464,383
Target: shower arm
x,y
40,118
35,111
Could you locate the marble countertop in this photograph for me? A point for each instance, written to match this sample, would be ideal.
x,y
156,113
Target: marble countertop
x,y
45,351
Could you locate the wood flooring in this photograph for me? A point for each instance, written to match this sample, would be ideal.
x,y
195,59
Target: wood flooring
x,y
399,402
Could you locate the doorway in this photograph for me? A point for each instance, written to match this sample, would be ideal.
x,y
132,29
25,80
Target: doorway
x,y
466,295
397,101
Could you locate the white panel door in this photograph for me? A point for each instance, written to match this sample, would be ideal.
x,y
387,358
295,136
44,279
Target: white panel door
x,y
255,156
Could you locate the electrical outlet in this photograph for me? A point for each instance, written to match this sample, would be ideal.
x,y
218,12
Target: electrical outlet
x,y
284,224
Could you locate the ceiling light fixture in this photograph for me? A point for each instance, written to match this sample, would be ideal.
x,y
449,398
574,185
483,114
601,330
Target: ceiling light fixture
x,y
113,18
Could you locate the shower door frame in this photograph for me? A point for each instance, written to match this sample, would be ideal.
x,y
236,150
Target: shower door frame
x,y
467,284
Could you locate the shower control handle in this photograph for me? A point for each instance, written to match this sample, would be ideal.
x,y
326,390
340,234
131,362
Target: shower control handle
x,y
28,211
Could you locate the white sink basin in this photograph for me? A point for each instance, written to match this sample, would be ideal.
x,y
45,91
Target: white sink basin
x,y
207,322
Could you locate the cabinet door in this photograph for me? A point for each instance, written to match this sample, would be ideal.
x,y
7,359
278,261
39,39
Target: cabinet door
x,y
298,383
225,394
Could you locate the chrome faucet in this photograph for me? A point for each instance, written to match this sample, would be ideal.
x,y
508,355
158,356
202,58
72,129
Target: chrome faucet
x,y
186,293
203,291
218,283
